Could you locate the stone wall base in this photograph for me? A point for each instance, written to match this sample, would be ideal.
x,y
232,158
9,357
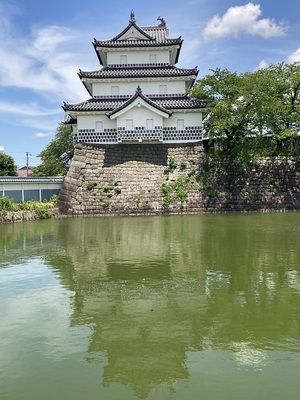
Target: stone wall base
x,y
154,179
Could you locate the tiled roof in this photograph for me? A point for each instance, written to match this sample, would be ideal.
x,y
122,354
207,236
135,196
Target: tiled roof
x,y
113,103
134,36
95,104
136,43
69,120
159,33
183,102
150,35
41,179
137,72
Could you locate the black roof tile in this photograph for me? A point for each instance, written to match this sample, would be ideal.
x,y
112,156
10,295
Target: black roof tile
x,y
116,103
138,72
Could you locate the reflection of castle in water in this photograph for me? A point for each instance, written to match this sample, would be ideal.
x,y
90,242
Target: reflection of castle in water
x,y
144,314
151,289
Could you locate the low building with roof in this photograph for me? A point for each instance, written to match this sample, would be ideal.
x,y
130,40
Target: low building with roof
x,y
24,171
27,188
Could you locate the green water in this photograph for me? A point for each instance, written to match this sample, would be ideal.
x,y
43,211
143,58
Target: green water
x,y
175,307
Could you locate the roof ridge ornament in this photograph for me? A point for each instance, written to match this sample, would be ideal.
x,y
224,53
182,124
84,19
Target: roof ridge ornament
x,y
162,21
132,17
138,90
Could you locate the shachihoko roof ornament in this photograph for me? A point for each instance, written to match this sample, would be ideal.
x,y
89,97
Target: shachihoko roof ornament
x,y
132,17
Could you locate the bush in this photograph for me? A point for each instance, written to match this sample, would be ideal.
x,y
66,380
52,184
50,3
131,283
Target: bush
x,y
43,213
42,209
6,203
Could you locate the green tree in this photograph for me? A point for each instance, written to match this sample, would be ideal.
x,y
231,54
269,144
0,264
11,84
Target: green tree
x,y
244,110
7,165
57,155
284,86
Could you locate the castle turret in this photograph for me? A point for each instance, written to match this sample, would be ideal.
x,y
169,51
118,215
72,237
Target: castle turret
x,y
138,95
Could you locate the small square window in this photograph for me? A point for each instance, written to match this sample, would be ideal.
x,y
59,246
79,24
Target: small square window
x,y
115,90
152,58
149,124
99,126
123,59
129,124
180,124
162,89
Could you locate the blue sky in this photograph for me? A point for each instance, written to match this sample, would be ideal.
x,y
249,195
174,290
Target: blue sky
x,y
44,43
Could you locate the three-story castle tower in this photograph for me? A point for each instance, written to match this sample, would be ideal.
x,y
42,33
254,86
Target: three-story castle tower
x,y
137,98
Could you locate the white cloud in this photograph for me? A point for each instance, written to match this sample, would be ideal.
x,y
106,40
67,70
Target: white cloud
x,y
294,57
45,62
263,64
1,149
27,109
242,20
43,134
41,123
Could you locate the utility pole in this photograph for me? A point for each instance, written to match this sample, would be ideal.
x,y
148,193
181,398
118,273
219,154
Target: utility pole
x,y
27,157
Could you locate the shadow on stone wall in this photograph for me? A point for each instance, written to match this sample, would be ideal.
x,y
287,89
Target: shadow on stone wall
x,y
121,154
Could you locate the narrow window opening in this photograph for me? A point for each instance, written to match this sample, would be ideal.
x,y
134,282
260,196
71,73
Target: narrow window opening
x,y
180,124
129,124
99,126
123,59
115,90
149,124
162,89
152,58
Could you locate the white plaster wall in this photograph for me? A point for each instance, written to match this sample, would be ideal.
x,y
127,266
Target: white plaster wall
x,y
89,121
29,185
139,117
190,119
138,57
129,88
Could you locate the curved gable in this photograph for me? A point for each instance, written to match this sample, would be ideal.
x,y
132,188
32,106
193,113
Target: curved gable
x,y
132,32
139,100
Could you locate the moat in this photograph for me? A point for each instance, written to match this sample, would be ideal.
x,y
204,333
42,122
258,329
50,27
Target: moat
x,y
153,307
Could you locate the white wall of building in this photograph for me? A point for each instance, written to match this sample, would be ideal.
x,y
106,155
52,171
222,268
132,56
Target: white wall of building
x,y
139,116
27,188
89,121
145,56
129,88
190,119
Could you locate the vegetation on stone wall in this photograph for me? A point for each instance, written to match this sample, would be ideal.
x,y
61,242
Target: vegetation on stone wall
x,y
91,185
176,190
264,183
102,194
220,184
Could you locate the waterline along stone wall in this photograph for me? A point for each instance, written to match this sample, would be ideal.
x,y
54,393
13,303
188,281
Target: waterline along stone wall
x,y
153,179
